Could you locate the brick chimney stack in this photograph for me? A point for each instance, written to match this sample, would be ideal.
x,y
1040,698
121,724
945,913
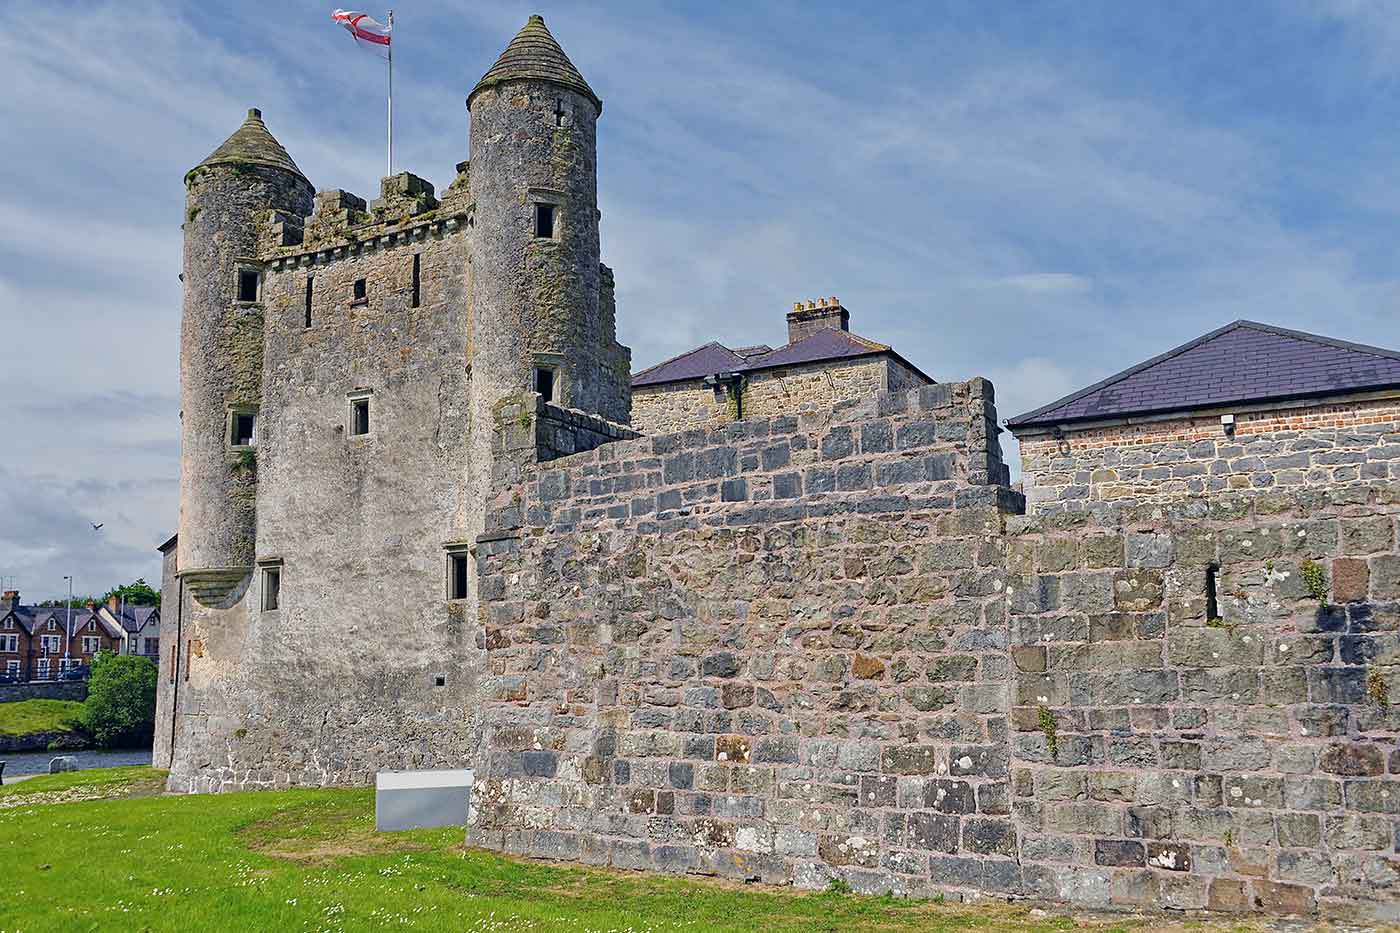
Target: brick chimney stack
x,y
9,600
821,314
112,603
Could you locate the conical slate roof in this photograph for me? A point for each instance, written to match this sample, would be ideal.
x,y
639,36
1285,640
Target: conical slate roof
x,y
252,144
533,54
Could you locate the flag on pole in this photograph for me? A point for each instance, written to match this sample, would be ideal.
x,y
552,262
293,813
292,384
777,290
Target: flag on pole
x,y
368,33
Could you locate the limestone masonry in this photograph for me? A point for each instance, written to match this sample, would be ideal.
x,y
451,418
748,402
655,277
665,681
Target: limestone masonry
x,y
764,614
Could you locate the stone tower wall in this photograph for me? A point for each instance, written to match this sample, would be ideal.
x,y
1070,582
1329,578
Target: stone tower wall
x,y
221,365
341,679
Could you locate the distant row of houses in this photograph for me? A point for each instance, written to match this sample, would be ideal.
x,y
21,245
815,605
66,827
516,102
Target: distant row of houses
x,y
55,643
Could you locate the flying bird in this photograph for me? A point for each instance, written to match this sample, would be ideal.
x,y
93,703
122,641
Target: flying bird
x,y
96,525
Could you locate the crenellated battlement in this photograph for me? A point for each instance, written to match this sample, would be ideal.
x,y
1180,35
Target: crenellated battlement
x,y
342,223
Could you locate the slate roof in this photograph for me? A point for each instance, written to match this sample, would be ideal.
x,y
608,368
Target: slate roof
x,y
135,617
252,144
534,55
1241,362
819,347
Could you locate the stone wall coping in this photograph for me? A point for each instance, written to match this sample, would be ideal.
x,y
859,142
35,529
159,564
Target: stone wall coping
x,y
389,234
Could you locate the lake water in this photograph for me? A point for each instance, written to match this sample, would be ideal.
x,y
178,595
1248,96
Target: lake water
x,y
38,762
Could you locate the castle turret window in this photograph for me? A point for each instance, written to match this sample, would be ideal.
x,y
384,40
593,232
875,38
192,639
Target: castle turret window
x,y
272,588
247,285
359,292
544,382
417,292
359,413
544,221
242,428
308,301
457,573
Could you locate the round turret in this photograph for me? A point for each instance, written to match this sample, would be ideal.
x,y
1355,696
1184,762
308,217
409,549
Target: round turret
x,y
535,253
221,349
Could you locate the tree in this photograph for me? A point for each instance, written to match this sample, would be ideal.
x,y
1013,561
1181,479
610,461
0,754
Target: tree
x,y
139,593
120,711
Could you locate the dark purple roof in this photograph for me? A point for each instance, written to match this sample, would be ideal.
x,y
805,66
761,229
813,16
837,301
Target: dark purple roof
x,y
825,344
702,361
714,358
1240,362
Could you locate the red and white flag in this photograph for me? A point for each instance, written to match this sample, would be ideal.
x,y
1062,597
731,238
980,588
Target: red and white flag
x,y
368,33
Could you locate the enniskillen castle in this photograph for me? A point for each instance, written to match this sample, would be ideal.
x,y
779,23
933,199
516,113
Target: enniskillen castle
x,y
769,613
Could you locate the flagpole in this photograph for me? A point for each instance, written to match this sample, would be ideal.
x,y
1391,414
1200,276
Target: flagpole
x,y
391,93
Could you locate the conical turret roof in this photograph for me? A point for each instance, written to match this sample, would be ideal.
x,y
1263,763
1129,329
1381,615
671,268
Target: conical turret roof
x,y
252,144
533,54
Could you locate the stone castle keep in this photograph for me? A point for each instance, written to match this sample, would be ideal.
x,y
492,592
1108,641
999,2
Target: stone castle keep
x,y
419,529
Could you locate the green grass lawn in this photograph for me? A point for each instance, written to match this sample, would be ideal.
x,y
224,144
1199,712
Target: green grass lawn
x,y
28,716
309,860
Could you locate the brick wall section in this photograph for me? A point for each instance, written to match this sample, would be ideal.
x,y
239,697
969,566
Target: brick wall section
x,y
1242,763
672,407
771,650
1313,445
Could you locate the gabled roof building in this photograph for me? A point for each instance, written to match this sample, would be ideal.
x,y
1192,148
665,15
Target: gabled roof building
x,y
1247,406
822,363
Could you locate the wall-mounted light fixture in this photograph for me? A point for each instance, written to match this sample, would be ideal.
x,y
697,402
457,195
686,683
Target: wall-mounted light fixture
x,y
1227,424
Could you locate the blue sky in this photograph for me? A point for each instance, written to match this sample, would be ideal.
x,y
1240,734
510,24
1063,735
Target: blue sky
x,y
1040,193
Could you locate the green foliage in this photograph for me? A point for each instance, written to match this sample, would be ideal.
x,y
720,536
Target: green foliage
x,y
139,593
1049,727
1315,580
245,462
1377,688
29,716
78,602
839,886
120,711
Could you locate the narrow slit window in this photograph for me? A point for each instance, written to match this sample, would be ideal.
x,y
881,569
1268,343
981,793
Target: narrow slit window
x,y
307,322
359,416
244,429
544,221
1212,604
247,285
544,383
456,576
272,588
417,293
359,289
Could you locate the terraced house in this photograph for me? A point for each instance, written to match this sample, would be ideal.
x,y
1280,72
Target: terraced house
x,y
44,643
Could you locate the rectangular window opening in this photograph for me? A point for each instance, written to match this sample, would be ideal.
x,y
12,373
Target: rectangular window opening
x,y
457,576
359,416
1212,603
359,289
244,427
247,285
307,322
544,221
272,588
417,262
544,383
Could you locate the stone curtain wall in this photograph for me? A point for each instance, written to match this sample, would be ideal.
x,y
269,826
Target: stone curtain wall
x,y
794,649
1313,445
666,409
1237,763
739,651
